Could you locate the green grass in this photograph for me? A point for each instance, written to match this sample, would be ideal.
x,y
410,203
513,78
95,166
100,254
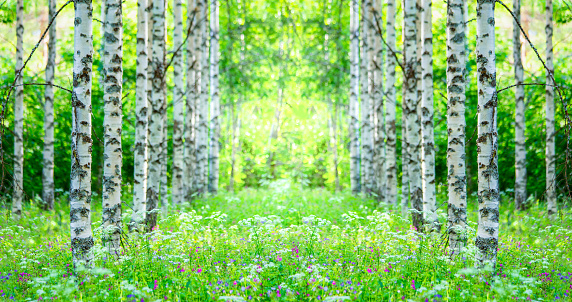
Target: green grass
x,y
285,243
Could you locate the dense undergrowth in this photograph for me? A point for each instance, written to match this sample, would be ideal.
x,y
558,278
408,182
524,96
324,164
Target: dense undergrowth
x,y
285,243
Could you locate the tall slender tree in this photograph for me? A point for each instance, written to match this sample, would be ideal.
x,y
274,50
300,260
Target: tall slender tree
x,y
215,98
520,122
365,104
201,170
48,163
456,176
113,114
177,191
428,148
141,108
156,117
189,152
550,125
378,120
487,145
81,142
18,173
390,101
410,99
353,127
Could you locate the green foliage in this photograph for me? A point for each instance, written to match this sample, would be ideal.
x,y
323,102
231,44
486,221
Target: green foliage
x,y
286,243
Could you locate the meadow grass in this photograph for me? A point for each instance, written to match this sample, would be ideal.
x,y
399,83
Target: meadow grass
x,y
285,243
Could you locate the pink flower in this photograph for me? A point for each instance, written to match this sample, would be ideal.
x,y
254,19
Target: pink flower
x,y
234,283
369,270
278,258
199,270
333,282
155,287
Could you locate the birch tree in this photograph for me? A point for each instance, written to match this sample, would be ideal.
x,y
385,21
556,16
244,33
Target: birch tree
x,y
112,108
520,122
177,191
390,101
410,99
156,117
378,124
354,92
189,152
428,148
456,176
81,142
366,108
141,107
550,124
48,156
202,110
215,100
487,146
18,172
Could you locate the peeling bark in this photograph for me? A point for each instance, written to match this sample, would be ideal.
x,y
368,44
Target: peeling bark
x,y
456,124
520,122
81,142
487,145
113,114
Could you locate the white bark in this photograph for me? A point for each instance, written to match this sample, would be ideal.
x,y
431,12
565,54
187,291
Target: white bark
x,y
48,164
141,109
189,152
456,176
18,173
404,158
353,127
520,122
428,149
487,146
177,191
550,125
113,114
411,111
156,114
81,142
365,106
201,171
378,124
215,99
390,101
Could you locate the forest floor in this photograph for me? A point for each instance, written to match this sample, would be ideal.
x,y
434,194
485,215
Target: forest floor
x,y
286,244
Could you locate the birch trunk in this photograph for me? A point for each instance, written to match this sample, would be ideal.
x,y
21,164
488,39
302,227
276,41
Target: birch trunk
x,y
156,117
404,158
366,85
81,142
520,122
354,92
390,101
177,191
487,146
411,111
48,164
113,114
428,149
215,101
550,124
379,133
334,143
189,152
164,189
18,173
202,101
456,176
141,108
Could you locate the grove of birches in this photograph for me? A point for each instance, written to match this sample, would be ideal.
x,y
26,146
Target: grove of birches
x,y
285,150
